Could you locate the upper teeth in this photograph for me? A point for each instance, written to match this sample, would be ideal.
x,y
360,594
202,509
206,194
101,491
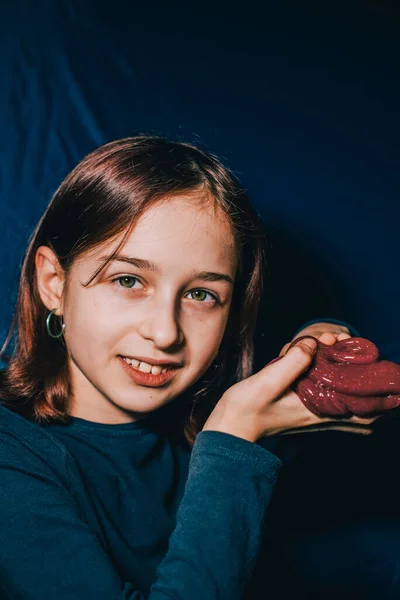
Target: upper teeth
x,y
145,367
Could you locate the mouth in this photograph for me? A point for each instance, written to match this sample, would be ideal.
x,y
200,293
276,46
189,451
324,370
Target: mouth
x,y
148,374
147,367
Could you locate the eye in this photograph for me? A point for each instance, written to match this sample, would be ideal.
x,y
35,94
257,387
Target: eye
x,y
201,295
127,281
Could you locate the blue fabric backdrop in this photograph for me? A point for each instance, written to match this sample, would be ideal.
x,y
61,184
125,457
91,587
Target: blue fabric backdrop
x,y
301,101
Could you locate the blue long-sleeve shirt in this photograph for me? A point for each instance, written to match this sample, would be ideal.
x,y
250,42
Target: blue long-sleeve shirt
x,y
126,511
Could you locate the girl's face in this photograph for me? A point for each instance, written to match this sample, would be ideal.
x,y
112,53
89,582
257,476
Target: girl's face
x,y
164,299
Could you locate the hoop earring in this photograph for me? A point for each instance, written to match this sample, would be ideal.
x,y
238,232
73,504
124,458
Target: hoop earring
x,y
48,326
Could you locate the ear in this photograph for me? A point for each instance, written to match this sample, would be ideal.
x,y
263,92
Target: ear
x,y
50,278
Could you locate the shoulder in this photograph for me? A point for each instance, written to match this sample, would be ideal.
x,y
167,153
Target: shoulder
x,y
24,443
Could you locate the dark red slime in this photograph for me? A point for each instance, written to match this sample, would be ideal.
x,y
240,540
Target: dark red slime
x,y
348,379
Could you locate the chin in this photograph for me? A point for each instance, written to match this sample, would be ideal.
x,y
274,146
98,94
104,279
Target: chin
x,y
139,408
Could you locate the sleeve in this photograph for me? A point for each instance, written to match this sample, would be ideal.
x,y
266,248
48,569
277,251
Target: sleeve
x,y
48,551
353,330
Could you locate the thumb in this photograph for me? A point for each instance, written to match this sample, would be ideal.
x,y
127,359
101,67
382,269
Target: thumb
x,y
279,374
284,349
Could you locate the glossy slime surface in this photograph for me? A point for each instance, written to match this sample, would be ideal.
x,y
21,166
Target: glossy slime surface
x,y
349,379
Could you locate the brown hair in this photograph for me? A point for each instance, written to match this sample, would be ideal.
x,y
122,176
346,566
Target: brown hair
x,y
109,188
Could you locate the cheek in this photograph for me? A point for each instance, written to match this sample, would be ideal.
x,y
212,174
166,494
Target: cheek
x,y
90,326
204,338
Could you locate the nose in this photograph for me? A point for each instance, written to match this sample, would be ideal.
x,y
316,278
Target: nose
x,y
160,323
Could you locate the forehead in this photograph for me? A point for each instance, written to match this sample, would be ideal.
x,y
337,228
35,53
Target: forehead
x,y
184,230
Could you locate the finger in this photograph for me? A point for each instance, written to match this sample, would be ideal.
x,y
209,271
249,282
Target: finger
x,y
343,336
275,378
323,428
284,349
330,426
356,430
328,338
351,427
362,420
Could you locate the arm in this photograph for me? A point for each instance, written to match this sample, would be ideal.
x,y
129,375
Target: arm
x,y
48,551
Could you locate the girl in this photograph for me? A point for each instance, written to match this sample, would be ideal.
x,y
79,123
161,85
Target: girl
x,y
136,310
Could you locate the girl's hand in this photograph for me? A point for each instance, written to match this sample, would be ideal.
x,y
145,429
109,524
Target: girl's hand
x,y
328,333
263,405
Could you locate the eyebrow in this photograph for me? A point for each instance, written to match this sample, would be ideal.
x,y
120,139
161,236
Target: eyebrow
x,y
141,263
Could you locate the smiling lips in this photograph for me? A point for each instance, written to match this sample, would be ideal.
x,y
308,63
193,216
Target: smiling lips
x,y
145,367
144,373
